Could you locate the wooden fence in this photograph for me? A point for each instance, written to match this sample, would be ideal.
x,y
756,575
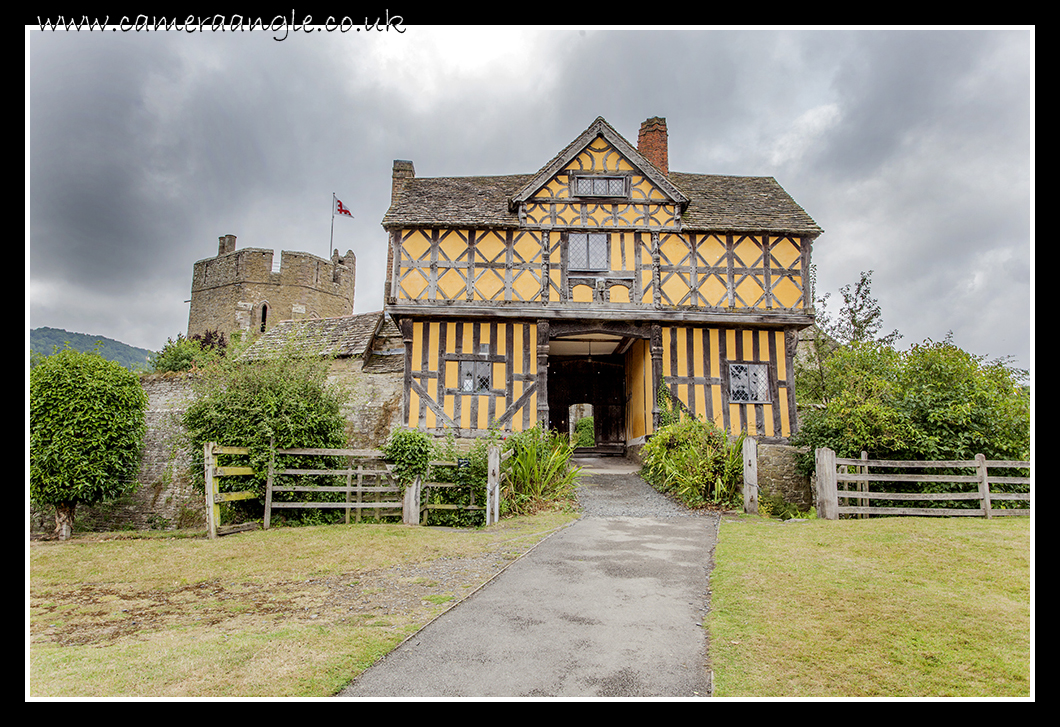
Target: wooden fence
x,y
832,470
366,483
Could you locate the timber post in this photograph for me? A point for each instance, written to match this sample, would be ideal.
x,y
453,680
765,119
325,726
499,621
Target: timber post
x,y
984,484
750,476
827,488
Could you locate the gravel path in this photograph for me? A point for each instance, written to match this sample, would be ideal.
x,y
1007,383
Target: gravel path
x,y
626,495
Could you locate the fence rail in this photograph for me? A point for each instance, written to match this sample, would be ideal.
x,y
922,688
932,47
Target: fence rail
x,y
367,487
832,470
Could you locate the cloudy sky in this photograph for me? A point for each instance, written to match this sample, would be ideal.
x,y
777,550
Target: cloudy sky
x,y
912,149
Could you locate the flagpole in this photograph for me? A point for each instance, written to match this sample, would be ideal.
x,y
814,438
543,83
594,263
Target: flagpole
x,y
331,243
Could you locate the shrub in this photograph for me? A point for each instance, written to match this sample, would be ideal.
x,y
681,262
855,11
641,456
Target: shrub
x,y
584,433
285,401
86,430
539,471
695,462
184,354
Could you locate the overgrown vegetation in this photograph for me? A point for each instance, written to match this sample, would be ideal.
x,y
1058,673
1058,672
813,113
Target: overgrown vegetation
x,y
285,401
86,421
584,432
696,462
932,401
196,351
540,473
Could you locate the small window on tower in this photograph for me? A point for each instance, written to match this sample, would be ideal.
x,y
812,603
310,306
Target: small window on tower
x,y
264,316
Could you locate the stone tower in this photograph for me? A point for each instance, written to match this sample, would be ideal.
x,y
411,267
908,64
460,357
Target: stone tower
x,y
242,291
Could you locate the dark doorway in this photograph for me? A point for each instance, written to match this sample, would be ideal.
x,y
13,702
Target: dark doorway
x,y
600,381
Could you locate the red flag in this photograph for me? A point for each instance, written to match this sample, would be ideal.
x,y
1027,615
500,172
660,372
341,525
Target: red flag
x,y
340,209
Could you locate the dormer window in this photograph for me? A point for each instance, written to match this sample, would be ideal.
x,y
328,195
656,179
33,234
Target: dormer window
x,y
600,186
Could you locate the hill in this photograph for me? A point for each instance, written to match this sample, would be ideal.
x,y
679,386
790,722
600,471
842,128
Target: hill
x,y
43,341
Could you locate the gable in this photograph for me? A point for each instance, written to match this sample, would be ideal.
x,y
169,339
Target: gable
x,y
599,150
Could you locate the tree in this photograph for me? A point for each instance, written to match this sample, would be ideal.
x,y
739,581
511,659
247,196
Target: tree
x,y
87,428
184,354
859,321
283,400
932,402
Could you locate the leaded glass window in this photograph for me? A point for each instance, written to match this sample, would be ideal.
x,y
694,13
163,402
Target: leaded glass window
x,y
600,186
476,377
587,251
748,383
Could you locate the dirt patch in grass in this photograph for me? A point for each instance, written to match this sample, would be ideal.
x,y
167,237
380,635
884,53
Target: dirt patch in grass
x,y
96,614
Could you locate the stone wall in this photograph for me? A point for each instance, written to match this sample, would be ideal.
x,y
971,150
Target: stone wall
x,y
777,475
167,499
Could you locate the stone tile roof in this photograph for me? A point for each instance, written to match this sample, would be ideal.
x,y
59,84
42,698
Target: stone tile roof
x,y
456,201
740,204
341,337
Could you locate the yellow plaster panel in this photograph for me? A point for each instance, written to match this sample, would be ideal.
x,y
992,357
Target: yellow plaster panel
x,y
412,284
787,294
748,345
619,294
517,347
450,285
675,288
675,249
452,246
748,292
748,253
582,294
785,252
488,284
527,247
489,248
666,333
417,245
713,290
711,250
782,359
697,354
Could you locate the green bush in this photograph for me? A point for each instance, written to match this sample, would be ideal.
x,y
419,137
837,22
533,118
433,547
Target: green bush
x,y
695,462
540,474
86,421
284,400
584,433
184,354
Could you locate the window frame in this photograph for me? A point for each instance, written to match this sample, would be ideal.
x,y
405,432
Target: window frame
x,y
748,386
605,263
575,183
478,369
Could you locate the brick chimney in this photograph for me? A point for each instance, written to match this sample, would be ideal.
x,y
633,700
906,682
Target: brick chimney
x,y
226,244
652,143
403,171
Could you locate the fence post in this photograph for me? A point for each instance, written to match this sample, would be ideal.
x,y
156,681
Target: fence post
x,y
827,490
410,507
493,483
863,486
269,482
750,476
212,510
984,484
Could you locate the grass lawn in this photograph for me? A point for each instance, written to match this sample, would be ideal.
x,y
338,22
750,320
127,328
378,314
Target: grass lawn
x,y
896,607
289,612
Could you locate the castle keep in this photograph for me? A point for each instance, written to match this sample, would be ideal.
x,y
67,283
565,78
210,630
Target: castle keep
x,y
240,290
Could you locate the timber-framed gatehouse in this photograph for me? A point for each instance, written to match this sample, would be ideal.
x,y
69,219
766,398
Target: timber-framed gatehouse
x,y
602,278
